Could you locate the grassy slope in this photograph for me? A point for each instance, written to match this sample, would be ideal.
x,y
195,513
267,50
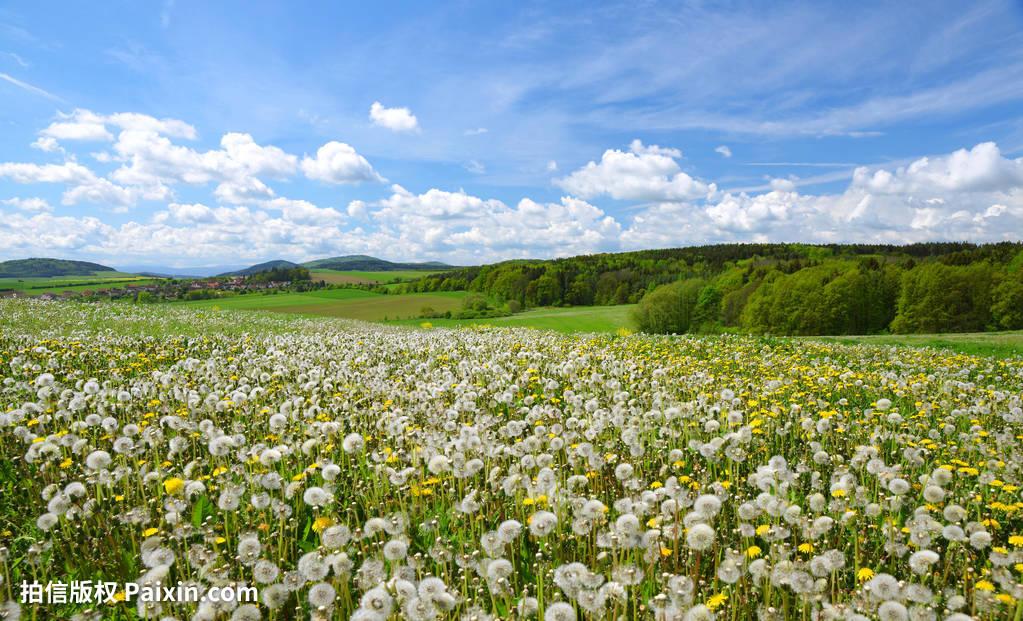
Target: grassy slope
x,y
572,319
56,284
338,277
1002,344
349,303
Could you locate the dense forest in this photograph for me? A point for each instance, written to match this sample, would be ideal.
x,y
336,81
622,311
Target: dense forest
x,y
774,288
47,268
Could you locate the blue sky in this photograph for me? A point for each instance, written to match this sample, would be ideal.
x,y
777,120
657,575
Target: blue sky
x,y
194,133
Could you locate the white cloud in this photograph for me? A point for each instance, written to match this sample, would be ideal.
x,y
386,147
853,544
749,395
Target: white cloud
x,y
476,167
152,162
552,166
394,119
304,212
37,205
469,228
476,132
981,168
644,173
339,163
357,209
81,184
724,151
972,194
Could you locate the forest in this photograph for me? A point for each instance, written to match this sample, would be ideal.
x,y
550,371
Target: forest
x,y
795,289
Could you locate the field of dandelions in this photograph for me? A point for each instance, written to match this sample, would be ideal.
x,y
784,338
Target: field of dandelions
x,y
352,471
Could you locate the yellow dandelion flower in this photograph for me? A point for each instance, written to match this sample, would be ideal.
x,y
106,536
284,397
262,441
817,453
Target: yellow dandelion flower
x,y
715,601
149,532
322,523
806,548
984,585
753,551
864,574
174,486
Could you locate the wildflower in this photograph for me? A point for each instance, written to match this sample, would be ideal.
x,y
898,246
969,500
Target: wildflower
x,y
174,486
700,537
715,601
559,611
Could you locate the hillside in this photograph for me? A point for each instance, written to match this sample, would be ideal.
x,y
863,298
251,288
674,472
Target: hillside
x,y
46,268
773,288
262,267
363,263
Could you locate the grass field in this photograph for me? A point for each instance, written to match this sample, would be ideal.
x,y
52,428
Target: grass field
x,y
56,284
567,320
348,303
314,459
355,277
1002,344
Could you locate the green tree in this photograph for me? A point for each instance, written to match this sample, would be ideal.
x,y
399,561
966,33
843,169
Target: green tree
x,y
1007,304
669,309
936,297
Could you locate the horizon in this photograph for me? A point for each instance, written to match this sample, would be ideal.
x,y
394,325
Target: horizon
x,y
173,135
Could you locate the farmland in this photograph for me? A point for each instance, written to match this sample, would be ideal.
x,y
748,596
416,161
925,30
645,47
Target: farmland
x,y
350,470
56,284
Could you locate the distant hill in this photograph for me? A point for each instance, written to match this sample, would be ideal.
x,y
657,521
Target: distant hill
x,y
363,263
168,271
45,268
262,267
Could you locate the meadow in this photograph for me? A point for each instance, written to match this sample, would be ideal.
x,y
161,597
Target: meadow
x,y
346,303
568,320
56,284
357,277
350,470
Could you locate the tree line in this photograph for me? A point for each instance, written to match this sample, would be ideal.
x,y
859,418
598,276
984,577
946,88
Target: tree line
x,y
774,288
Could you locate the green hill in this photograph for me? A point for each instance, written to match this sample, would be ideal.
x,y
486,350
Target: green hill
x,y
799,289
47,268
262,267
364,263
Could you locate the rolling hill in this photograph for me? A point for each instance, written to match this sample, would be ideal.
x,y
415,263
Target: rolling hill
x,y
262,267
47,268
364,263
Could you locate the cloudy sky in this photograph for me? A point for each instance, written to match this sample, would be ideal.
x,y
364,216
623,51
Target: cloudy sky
x,y
191,133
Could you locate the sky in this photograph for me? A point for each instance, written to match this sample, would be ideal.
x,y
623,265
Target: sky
x,y
189,133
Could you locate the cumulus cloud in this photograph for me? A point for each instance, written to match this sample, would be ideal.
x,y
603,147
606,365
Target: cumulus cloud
x,y
394,119
81,184
973,194
467,227
37,205
724,151
643,173
152,161
339,163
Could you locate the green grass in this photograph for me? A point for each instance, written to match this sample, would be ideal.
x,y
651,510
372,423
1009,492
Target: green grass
x,y
1000,344
56,284
572,319
347,303
356,277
